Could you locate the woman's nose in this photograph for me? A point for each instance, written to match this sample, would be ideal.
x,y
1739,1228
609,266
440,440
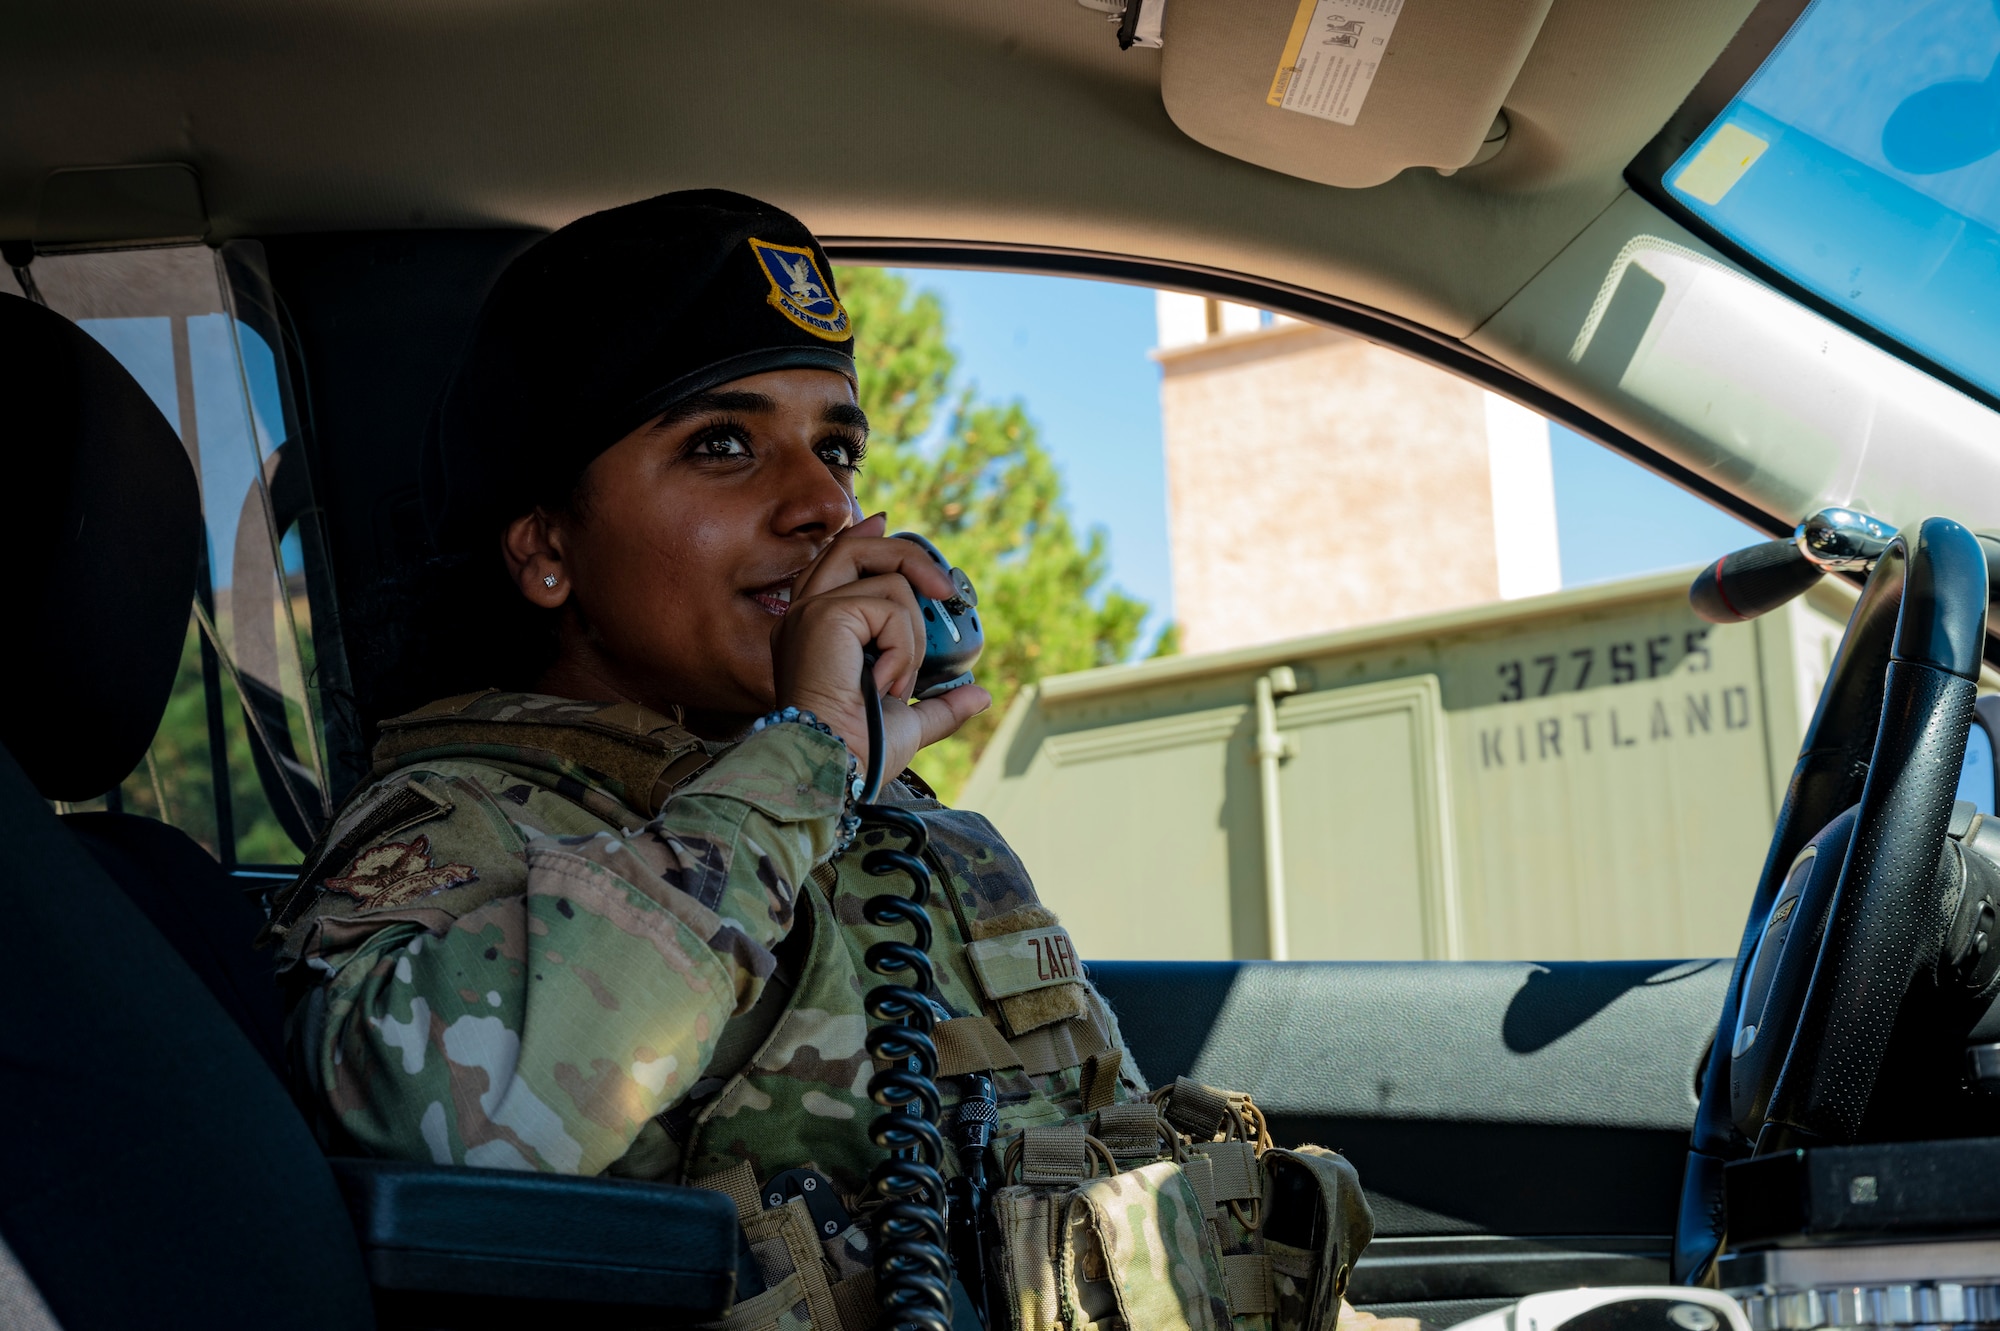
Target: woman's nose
x,y
814,502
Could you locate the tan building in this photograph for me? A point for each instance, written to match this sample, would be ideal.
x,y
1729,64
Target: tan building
x,y
1316,481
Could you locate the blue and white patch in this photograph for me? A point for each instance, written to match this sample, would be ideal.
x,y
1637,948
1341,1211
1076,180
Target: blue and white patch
x,y
799,291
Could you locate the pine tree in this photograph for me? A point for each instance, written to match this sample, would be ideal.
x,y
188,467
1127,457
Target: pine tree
x,y
991,497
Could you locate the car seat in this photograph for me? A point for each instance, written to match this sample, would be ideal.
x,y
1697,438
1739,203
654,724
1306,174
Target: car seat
x,y
153,1170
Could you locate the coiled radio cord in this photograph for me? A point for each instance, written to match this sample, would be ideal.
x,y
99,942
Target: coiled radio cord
x,y
912,1262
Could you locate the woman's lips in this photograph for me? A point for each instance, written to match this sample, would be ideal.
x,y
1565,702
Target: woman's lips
x,y
776,599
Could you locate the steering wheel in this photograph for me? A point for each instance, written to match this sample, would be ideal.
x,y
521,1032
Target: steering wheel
x,y
1861,884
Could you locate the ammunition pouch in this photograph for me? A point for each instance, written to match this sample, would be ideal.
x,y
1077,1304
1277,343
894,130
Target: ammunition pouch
x,y
1175,1215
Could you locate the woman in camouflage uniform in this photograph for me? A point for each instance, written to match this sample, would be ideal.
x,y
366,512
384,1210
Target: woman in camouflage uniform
x,y
598,911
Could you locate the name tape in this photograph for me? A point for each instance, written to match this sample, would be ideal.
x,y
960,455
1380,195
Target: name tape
x,y
1021,962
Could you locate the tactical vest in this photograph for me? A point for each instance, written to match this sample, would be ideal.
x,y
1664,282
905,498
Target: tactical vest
x,y
785,1088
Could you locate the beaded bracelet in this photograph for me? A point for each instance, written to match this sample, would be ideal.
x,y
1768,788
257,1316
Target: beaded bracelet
x,y
850,822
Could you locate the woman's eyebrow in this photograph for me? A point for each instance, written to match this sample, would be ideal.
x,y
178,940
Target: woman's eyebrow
x,y
711,404
846,413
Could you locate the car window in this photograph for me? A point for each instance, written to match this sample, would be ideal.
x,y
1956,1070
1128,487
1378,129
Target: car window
x,y
1295,599
1862,161
1300,645
237,762
1976,774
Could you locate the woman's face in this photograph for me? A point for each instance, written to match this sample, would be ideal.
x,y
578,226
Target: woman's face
x,y
679,561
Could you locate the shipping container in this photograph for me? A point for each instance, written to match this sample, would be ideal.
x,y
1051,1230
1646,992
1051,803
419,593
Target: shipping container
x,y
1591,774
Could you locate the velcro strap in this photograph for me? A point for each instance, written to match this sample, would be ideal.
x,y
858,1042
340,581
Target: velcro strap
x,y
1130,1132
739,1184
1237,1177
1200,1171
854,1300
1066,1044
1246,1279
971,1044
1018,963
1100,1078
1196,1109
677,774
1030,1282
802,1238
1054,1155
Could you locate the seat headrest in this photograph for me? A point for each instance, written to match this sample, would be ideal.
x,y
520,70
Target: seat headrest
x,y
109,515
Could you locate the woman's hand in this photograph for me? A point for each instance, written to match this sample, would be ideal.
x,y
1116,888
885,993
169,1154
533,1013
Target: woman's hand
x,y
860,591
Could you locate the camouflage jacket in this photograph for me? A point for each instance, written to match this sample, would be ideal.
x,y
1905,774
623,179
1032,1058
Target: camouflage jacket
x,y
565,936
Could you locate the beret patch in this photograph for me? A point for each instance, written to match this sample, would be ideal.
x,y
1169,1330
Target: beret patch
x,y
799,292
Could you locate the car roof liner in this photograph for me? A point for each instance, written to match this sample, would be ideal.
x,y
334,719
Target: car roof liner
x,y
1030,124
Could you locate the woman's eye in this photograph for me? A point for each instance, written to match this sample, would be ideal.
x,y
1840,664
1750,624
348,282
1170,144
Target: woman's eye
x,y
722,446
840,453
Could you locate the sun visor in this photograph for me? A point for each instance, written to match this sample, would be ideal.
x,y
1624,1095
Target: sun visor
x,y
1346,92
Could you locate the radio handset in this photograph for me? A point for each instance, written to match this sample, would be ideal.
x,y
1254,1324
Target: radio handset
x,y
913,1256
953,639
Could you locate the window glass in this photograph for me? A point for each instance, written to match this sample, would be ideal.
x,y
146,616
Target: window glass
x,y
1975,777
1263,594
237,761
1863,161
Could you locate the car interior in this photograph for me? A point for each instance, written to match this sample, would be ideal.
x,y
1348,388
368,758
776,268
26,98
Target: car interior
x,y
340,181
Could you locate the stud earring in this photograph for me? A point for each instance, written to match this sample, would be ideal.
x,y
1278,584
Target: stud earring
x,y
548,580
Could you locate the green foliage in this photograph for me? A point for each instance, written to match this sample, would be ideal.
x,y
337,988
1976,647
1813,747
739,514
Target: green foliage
x,y
179,772
1168,643
990,495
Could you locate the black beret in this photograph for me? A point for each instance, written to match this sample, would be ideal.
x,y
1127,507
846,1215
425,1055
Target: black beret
x,y
602,325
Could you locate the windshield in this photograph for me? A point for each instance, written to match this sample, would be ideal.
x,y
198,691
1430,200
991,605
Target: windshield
x,y
1863,162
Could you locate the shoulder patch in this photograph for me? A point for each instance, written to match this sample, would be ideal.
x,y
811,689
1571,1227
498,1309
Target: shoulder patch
x,y
799,291
397,873
387,809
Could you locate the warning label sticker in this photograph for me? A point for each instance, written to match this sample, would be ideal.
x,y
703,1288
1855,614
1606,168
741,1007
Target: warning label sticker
x,y
1331,57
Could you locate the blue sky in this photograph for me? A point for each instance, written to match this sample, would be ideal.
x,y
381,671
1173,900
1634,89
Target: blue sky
x,y
1075,353
228,459
1615,519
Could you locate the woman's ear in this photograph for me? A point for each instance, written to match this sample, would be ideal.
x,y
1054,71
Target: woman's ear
x,y
532,547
